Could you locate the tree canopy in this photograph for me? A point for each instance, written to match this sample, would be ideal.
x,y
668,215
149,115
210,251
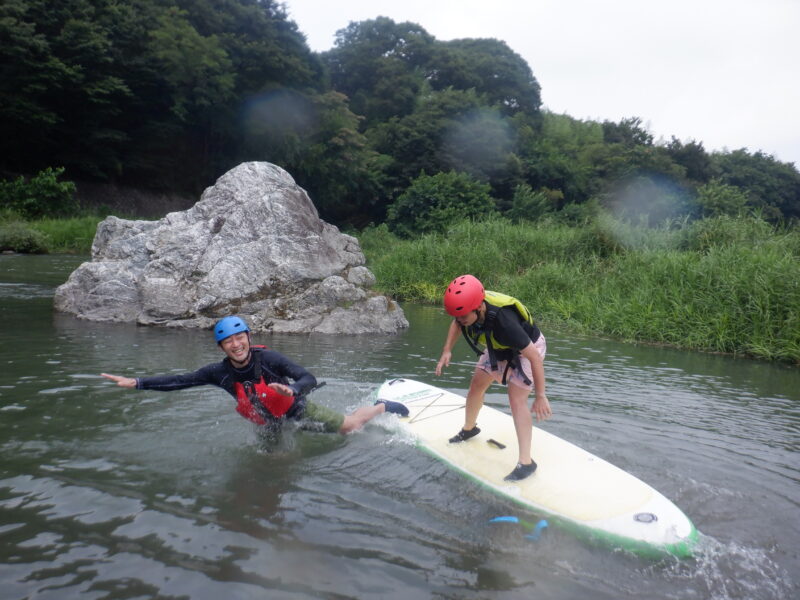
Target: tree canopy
x,y
169,94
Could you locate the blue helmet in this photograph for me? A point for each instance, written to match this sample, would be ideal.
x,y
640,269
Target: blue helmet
x,y
228,326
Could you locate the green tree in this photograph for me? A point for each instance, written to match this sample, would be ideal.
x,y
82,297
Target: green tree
x,y
434,202
382,66
628,152
418,141
561,155
59,93
195,77
692,157
196,69
531,205
450,68
480,143
720,199
491,68
343,176
146,91
40,196
771,186
628,132
635,178
378,65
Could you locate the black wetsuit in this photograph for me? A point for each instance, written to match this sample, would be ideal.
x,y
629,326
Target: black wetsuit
x,y
275,368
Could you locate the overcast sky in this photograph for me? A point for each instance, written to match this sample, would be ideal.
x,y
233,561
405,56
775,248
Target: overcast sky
x,y
722,72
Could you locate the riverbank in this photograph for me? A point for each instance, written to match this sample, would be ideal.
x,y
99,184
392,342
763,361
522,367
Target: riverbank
x,y
718,285
94,201
43,236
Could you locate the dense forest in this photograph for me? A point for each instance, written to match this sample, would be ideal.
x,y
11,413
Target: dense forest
x,y
390,125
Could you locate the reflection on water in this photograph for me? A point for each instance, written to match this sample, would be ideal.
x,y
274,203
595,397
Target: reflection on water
x,y
111,493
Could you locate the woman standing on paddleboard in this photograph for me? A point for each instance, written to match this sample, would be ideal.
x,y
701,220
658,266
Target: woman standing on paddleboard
x,y
511,349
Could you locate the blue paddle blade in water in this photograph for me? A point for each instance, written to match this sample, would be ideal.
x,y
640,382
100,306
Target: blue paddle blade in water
x,y
536,530
504,520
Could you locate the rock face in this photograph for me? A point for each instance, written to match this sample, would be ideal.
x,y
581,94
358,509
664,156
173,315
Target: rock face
x,y
253,245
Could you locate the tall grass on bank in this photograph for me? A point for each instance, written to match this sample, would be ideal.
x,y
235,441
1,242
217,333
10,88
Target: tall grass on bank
x,y
722,285
68,235
74,234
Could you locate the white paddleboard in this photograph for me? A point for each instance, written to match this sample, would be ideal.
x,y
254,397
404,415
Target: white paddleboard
x,y
571,486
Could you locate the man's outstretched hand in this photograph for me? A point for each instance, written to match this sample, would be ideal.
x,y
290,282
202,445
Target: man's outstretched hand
x,y
126,382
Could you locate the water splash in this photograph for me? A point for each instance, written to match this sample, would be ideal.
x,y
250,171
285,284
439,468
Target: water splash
x,y
727,570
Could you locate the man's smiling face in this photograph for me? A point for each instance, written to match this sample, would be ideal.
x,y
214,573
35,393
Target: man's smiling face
x,y
237,348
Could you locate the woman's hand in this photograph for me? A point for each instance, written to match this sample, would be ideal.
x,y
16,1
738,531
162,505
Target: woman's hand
x,y
444,361
541,407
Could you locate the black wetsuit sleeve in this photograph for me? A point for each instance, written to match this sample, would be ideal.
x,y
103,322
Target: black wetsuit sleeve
x,y
208,375
280,366
510,329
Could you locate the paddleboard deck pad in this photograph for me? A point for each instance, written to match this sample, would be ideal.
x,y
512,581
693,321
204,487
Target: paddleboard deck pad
x,y
573,487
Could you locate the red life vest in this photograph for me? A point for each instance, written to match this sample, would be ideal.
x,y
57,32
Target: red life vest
x,y
247,395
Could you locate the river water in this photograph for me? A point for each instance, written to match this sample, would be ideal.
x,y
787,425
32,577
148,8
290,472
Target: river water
x,y
111,493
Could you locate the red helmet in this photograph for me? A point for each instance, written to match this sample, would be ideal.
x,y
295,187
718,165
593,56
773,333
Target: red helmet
x,y
463,295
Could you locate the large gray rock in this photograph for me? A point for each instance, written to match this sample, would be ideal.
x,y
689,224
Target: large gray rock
x,y
253,245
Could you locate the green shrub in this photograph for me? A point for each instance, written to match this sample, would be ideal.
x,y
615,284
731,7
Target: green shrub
x,y
717,198
16,236
530,205
39,196
375,237
432,203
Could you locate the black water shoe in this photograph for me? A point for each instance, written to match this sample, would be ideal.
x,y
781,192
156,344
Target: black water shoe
x,y
396,408
520,472
465,434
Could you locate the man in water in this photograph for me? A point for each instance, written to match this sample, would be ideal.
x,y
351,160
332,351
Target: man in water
x,y
268,387
514,356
